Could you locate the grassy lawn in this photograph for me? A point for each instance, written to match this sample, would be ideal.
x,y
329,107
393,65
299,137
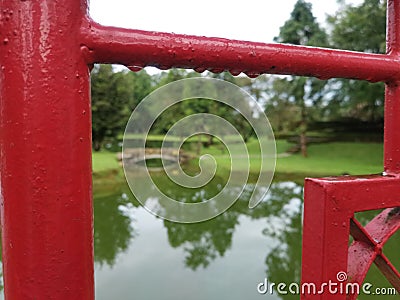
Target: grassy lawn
x,y
324,159
104,161
335,159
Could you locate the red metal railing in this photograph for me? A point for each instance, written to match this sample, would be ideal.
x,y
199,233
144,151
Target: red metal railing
x,y
46,50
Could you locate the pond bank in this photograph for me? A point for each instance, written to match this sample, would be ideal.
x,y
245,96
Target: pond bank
x,y
328,159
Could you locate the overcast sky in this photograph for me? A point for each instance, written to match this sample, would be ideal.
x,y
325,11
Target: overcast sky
x,y
251,20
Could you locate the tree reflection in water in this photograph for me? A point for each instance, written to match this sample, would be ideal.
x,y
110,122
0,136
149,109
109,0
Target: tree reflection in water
x,y
112,226
284,224
205,241
202,243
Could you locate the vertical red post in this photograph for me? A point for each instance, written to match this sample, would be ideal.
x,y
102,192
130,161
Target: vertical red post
x,y
392,100
45,144
325,241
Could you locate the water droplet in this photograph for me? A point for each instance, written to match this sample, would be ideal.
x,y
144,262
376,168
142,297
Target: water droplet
x,y
217,70
235,72
252,53
252,74
5,41
84,112
172,52
323,77
200,69
164,67
134,68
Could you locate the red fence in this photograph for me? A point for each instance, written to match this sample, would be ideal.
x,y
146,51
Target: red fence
x,y
47,48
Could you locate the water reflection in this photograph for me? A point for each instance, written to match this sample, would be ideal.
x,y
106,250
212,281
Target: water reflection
x,y
203,242
284,225
271,232
139,254
112,226
223,258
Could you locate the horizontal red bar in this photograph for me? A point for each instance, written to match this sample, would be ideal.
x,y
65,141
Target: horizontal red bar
x,y
360,193
166,50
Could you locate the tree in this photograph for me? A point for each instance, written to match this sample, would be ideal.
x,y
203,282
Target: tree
x,y
283,114
111,95
353,29
302,29
171,115
142,85
200,105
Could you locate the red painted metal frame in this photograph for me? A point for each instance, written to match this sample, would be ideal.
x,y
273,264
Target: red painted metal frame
x,y
45,142
329,207
330,204
45,164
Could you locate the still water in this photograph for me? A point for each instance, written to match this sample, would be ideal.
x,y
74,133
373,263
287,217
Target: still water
x,y
139,256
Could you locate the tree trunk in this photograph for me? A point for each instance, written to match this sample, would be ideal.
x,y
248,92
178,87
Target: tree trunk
x,y
303,130
210,140
198,144
96,145
303,143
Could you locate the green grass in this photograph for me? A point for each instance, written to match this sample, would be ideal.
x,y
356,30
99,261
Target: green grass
x,y
160,137
104,161
334,158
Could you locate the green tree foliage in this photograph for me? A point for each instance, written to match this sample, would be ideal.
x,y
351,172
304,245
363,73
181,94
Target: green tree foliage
x,y
282,112
142,84
114,96
196,106
301,29
111,95
359,28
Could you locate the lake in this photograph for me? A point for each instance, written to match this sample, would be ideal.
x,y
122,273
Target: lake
x,y
140,256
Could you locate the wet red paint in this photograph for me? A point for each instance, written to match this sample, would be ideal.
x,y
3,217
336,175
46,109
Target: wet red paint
x,y
46,190
47,50
116,45
330,204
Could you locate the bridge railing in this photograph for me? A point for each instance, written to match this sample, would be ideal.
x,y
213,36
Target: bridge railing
x,y
47,49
